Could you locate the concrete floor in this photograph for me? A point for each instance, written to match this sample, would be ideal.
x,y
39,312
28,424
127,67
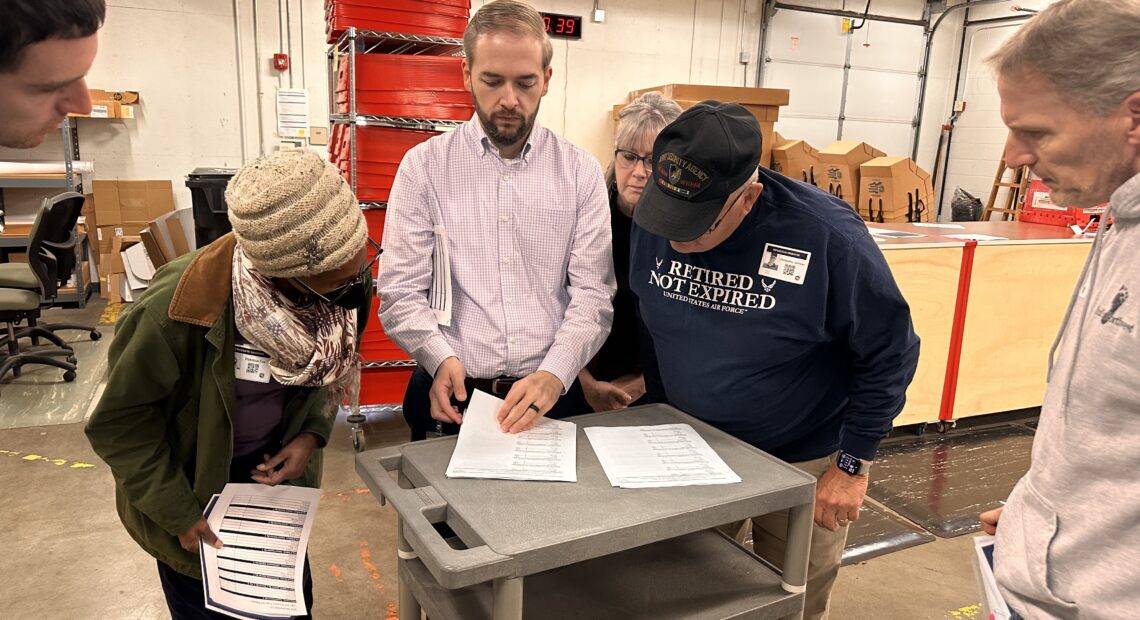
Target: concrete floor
x,y
66,555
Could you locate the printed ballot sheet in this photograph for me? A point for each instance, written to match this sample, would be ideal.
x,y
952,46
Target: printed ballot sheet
x,y
264,530
666,455
548,451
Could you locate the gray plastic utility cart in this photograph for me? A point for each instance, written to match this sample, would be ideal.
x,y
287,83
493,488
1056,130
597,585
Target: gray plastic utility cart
x,y
587,550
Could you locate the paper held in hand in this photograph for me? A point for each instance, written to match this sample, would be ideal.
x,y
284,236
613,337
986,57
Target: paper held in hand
x,y
259,571
548,451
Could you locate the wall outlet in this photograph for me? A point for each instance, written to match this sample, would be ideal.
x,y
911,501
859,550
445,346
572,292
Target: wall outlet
x,y
745,58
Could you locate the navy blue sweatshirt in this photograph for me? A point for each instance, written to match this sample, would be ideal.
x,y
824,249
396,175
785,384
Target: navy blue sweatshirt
x,y
790,335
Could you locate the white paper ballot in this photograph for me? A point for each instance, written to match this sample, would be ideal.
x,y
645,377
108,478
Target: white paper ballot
x,y
259,570
895,234
546,452
439,295
667,455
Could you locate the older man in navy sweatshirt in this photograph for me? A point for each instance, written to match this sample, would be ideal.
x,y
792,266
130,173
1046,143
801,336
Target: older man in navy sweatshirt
x,y
772,315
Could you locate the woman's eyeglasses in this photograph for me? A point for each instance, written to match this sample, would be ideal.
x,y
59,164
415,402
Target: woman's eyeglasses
x,y
628,159
339,292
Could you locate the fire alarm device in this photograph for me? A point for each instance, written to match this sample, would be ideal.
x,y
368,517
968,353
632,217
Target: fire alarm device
x,y
281,62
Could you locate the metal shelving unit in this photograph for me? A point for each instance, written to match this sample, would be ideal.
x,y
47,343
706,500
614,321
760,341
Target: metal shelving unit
x,y
354,42
346,48
70,181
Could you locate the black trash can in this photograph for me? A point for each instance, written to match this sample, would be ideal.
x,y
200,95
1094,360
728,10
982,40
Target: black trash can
x,y
208,189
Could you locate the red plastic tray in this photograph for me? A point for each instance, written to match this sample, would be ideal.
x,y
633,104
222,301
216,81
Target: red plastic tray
x,y
440,19
384,386
1040,209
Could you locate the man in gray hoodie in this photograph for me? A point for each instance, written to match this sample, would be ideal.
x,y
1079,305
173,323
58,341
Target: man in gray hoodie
x,y
1068,537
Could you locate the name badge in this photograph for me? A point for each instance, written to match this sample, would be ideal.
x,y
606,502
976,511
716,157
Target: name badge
x,y
251,364
785,264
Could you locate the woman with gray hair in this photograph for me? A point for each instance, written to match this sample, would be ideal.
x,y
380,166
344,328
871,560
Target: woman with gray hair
x,y
613,379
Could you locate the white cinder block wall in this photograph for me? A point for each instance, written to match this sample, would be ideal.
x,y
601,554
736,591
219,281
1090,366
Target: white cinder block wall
x,y
979,137
183,56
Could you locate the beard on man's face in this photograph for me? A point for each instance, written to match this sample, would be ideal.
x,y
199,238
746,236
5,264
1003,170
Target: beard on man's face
x,y
504,137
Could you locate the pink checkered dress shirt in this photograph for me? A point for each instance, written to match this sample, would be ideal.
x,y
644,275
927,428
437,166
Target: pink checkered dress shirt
x,y
528,240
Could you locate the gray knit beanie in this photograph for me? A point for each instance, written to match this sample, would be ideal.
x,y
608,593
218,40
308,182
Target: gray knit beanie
x,y
294,215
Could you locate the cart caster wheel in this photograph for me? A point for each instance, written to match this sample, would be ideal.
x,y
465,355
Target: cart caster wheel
x,y
355,418
69,376
357,439
944,426
96,335
920,429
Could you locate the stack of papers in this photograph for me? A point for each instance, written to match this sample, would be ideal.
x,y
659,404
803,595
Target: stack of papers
x,y
548,451
667,455
993,604
264,530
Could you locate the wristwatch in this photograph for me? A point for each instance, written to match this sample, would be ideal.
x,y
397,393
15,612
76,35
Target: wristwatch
x,y
852,464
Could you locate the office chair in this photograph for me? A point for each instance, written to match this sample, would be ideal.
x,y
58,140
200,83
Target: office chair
x,y
56,243
21,304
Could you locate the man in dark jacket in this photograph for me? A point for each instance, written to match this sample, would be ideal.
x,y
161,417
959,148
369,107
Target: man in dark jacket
x,y
772,315
232,364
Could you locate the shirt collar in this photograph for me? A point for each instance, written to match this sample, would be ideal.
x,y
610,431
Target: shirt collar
x,y
482,144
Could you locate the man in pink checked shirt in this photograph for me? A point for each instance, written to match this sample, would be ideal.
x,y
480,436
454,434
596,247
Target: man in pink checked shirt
x,y
496,273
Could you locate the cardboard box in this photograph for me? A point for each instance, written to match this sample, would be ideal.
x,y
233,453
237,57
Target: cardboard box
x,y
173,234
798,160
117,96
735,94
840,163
106,199
17,257
111,104
119,202
894,189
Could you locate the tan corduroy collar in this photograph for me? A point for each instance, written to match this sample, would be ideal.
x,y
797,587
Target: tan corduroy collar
x,y
206,285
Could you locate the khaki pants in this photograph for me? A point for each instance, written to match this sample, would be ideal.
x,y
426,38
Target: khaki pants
x,y
769,532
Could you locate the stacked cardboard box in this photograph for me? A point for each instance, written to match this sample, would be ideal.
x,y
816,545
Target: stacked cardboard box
x,y
796,159
763,103
840,163
124,208
112,104
894,189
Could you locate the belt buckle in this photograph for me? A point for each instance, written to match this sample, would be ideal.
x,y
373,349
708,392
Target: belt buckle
x,y
501,385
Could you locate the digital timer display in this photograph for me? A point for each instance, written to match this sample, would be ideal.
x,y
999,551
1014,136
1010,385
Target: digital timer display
x,y
563,26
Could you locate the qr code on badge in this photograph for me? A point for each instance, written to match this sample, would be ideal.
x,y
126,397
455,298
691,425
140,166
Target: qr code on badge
x,y
251,367
789,269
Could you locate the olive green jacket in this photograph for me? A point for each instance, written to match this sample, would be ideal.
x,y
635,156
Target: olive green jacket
x,y
165,422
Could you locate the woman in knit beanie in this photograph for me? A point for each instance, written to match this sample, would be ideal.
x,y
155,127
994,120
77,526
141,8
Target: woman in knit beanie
x,y
230,367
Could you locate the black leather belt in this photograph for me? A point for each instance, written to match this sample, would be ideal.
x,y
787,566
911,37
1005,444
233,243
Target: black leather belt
x,y
499,386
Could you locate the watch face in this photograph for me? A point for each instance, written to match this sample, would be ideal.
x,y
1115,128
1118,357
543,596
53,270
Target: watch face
x,y
848,463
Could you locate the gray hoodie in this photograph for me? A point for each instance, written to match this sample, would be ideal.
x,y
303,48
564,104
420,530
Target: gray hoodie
x,y
1068,542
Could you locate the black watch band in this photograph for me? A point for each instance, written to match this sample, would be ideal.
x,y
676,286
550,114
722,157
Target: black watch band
x,y
852,465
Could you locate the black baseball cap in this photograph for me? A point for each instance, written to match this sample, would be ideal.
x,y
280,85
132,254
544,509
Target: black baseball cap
x,y
698,161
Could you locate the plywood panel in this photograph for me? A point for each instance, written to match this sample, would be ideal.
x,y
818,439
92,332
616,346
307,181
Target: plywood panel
x,y
928,279
1018,295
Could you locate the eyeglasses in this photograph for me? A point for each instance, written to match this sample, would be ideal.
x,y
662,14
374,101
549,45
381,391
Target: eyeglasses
x,y
628,159
331,297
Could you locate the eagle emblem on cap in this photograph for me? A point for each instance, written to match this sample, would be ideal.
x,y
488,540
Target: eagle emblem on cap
x,y
674,174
